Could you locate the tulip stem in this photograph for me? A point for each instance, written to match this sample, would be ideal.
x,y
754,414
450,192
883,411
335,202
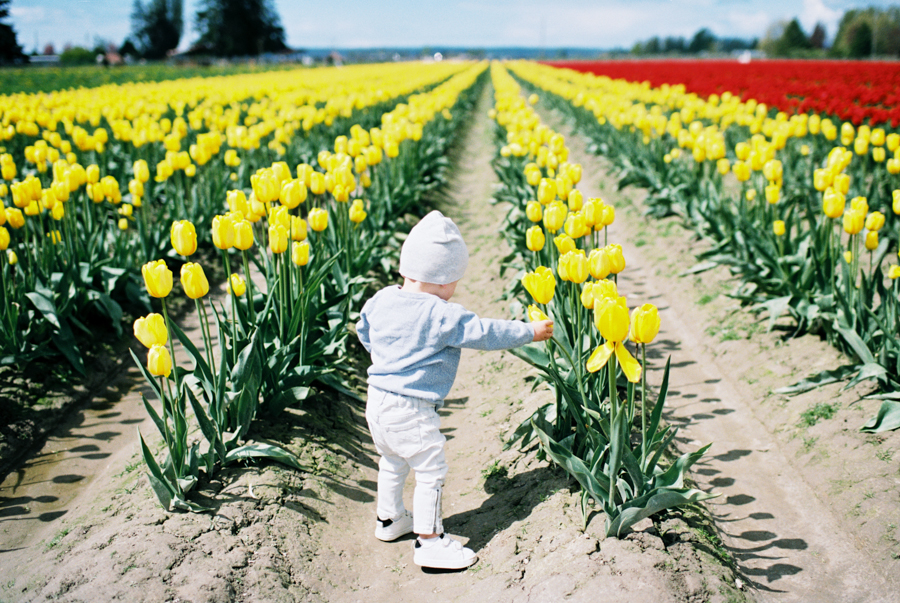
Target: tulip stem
x,y
643,403
249,286
171,342
613,414
204,329
577,415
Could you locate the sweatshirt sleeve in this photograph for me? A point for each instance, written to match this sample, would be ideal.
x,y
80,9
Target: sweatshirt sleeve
x,y
362,330
463,329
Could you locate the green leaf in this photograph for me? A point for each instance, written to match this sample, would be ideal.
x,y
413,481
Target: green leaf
x,y
698,268
819,379
651,503
887,419
574,465
45,306
260,450
856,343
165,491
775,308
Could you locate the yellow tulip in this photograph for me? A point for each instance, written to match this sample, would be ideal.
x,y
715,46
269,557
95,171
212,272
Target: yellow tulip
x,y
593,211
293,193
184,237
159,362
546,191
773,193
778,228
193,280
872,240
848,256
157,278
599,263
300,253
534,238
860,204
59,211
357,211
609,215
15,217
535,314
278,238
611,318
93,173
587,295
4,238
575,200
723,166
822,179
317,183
576,225
243,235
841,183
564,244
854,220
11,257
833,203
540,284
895,205
298,228
534,211
223,232
894,272
236,284
616,258
875,221
555,216
644,324
576,266
878,154
318,219
123,224
741,170
892,141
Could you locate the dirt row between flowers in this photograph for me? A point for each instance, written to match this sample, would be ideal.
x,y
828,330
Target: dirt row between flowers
x,y
809,505
278,535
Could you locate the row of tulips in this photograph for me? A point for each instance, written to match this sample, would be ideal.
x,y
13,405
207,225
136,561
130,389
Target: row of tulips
x,y
805,211
312,251
603,428
88,174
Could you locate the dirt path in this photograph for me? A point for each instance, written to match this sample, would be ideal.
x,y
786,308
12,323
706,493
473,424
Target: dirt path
x,y
278,535
777,513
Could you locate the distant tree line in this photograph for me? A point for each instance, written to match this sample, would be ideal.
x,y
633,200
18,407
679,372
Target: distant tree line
x,y
704,41
862,33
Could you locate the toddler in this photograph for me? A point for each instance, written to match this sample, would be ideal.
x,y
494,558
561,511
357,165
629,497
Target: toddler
x,y
414,335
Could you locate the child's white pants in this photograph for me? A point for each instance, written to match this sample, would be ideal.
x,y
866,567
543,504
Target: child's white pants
x,y
407,435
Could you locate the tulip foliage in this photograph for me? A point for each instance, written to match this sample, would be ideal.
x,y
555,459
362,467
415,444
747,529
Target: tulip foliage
x,y
298,252
560,241
803,208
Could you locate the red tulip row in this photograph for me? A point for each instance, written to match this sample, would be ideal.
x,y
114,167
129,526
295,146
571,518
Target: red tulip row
x,y
850,90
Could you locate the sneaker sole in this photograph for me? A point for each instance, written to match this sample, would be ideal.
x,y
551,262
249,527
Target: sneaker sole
x,y
446,564
390,537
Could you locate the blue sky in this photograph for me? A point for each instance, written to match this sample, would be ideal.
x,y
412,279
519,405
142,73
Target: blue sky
x,y
486,23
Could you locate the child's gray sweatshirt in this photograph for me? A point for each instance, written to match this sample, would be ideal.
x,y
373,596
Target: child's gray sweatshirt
x,y
415,340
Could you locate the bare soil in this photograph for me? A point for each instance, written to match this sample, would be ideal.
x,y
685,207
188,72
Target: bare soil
x,y
805,512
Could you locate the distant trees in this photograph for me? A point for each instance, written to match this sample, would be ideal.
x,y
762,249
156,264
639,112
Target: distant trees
x,y
703,41
156,27
10,51
868,32
239,28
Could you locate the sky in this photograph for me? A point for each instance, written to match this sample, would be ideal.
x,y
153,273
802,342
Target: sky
x,y
469,23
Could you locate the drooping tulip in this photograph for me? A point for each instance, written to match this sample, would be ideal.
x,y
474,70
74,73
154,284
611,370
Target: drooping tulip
x,y
194,281
535,314
157,278
151,330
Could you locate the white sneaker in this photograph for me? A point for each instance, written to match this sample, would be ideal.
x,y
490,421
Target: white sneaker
x,y
443,553
392,529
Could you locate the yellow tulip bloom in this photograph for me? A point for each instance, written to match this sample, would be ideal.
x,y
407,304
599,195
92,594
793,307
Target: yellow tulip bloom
x,y
243,235
534,238
157,278
535,314
193,280
300,253
540,284
645,324
534,211
318,219
184,237
159,362
236,284
223,232
778,228
278,238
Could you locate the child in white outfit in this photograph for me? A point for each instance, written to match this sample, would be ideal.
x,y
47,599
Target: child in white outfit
x,y
414,336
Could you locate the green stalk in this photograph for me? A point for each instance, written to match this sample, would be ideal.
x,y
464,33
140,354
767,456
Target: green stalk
x,y
643,403
171,341
246,263
613,414
204,329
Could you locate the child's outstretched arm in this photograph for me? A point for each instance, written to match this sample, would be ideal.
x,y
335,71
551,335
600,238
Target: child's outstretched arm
x,y
543,330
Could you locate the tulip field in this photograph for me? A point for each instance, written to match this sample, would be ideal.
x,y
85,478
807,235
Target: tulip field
x,y
297,187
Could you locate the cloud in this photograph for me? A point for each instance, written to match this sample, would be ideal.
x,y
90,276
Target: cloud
x,y
815,11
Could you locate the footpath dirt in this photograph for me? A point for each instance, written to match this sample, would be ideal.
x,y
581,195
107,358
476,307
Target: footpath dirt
x,y
805,512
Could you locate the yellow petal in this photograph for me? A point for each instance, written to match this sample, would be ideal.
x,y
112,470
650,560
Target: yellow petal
x,y
630,366
600,357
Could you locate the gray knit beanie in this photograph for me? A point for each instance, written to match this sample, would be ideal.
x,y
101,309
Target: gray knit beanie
x,y
434,252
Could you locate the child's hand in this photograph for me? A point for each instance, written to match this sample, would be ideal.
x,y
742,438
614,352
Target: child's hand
x,y
543,330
